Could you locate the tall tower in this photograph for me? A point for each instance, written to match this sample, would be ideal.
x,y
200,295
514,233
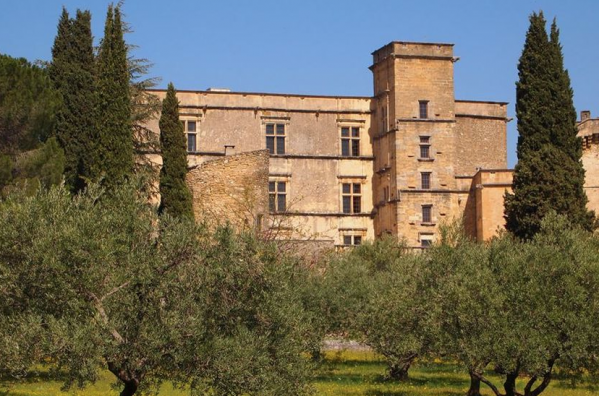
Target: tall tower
x,y
413,139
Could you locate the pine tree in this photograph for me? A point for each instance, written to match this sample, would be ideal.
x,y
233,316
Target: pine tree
x,y
549,175
114,140
73,74
175,196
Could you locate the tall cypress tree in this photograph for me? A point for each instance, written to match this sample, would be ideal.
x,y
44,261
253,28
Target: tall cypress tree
x,y
114,140
73,74
176,199
549,175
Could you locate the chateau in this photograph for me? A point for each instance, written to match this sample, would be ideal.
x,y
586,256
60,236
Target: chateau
x,y
337,170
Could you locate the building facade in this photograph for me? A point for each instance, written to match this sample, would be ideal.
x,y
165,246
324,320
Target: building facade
x,y
340,170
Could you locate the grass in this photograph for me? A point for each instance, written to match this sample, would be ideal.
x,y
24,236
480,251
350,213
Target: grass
x,y
363,373
343,373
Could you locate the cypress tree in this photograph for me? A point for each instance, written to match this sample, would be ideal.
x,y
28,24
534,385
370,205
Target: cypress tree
x,y
114,141
549,175
175,196
73,74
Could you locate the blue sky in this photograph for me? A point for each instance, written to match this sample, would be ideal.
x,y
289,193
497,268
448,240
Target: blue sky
x,y
323,47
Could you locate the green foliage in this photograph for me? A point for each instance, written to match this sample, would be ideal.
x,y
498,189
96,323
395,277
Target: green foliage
x,y
6,170
537,178
27,105
73,73
113,151
175,195
375,294
549,152
90,282
520,307
39,168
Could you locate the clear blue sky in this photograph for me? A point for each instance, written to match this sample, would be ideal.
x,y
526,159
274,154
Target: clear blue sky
x,y
323,47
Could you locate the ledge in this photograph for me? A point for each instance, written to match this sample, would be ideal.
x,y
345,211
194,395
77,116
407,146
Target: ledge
x,y
483,117
414,191
432,120
323,157
325,214
276,109
352,177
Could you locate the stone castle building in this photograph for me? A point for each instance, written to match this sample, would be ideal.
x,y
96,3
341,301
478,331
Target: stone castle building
x,y
339,170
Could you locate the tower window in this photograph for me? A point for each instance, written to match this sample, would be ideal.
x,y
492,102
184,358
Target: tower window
x,y
350,141
384,119
427,213
351,194
423,108
275,138
425,180
425,147
277,196
426,240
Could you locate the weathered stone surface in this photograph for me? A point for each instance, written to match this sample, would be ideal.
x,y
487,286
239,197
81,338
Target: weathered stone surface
x,y
231,189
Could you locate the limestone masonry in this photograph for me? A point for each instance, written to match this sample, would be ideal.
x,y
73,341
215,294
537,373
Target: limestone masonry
x,y
341,170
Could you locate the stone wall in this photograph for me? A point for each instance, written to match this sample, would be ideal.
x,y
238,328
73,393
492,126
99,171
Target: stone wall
x,y
481,140
490,187
231,189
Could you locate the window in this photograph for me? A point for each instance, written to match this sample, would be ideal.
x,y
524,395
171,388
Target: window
x,y
349,240
352,197
277,196
275,138
425,147
384,119
427,213
425,180
190,129
426,240
423,108
350,141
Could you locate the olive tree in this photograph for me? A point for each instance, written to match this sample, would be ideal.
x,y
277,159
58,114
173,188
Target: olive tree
x,y
99,281
375,298
520,308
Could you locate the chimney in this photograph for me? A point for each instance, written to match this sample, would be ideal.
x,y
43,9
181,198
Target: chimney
x,y
229,149
585,115
215,89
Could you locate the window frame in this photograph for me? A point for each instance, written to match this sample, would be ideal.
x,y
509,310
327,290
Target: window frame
x,y
425,180
423,110
190,133
384,119
427,213
277,196
351,197
350,138
353,239
424,147
426,239
276,131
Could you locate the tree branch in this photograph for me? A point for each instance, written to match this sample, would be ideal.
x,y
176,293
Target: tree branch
x,y
487,382
104,316
529,385
546,379
116,289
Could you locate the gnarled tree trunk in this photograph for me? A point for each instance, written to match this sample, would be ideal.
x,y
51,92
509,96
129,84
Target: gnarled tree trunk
x,y
130,379
510,384
474,385
130,388
399,371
